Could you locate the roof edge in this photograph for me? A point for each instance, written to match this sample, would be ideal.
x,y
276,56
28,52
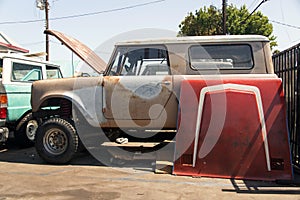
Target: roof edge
x,y
200,39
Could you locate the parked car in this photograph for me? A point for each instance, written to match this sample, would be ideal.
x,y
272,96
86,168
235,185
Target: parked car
x,y
18,72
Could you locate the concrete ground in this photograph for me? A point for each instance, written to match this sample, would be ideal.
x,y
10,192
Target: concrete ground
x,y
24,175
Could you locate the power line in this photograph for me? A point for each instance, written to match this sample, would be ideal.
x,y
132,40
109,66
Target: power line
x,y
284,24
32,43
263,1
252,4
38,43
83,15
283,19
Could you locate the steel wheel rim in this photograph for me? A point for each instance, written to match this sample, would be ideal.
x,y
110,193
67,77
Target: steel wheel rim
x,y
55,141
31,129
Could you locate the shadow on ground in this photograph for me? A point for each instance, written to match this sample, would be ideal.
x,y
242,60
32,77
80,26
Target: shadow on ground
x,y
10,152
265,187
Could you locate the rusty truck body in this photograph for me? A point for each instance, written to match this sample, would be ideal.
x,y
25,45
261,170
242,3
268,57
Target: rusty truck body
x,y
139,88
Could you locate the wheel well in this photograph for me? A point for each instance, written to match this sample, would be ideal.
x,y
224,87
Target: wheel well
x,y
18,121
59,107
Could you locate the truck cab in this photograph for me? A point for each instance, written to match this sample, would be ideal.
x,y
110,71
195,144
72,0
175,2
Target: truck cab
x,y
18,72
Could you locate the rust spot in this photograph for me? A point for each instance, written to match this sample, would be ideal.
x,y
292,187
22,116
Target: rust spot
x,y
111,79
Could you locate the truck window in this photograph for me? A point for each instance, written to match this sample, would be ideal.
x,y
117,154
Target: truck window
x,y
140,61
53,72
25,72
221,57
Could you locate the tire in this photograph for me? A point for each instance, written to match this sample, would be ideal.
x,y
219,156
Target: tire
x,y
25,131
56,141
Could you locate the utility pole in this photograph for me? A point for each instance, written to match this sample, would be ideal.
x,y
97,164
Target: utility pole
x,y
44,5
47,27
224,5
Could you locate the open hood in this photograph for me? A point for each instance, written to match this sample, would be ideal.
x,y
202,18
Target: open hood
x,y
81,50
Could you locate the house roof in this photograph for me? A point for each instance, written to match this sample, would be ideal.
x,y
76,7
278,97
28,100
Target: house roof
x,y
7,44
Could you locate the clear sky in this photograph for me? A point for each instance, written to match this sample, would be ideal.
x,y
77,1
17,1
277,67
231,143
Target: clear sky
x,y
120,16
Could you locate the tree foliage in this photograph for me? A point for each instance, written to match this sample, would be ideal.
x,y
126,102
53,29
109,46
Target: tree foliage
x,y
208,21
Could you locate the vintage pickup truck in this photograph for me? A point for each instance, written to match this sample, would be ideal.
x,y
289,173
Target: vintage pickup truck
x,y
139,88
18,72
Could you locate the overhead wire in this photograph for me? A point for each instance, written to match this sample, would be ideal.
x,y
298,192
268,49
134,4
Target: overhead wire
x,y
284,24
117,9
32,43
283,19
85,14
277,22
120,9
252,4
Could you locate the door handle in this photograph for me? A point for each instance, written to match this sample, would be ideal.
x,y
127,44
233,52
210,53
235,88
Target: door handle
x,y
165,83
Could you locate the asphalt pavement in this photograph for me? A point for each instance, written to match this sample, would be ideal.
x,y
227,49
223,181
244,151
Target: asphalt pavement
x,y
24,175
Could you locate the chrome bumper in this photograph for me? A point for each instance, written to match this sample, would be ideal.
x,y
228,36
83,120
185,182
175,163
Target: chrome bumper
x,y
3,134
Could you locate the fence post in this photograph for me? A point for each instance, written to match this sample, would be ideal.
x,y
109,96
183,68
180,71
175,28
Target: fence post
x,y
296,157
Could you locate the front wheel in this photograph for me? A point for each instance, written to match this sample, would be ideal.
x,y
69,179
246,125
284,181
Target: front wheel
x,y
56,141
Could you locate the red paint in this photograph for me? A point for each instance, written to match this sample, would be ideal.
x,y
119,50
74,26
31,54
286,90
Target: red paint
x,y
235,149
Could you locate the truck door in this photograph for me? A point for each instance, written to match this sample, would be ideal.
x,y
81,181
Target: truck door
x,y
18,86
138,85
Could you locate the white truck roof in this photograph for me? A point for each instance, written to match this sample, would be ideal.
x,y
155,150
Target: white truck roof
x,y
198,39
25,57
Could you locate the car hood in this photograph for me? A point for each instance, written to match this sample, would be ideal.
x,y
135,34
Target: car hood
x,y
81,50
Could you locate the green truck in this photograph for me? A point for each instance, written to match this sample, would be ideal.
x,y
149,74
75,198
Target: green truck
x,y
18,72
